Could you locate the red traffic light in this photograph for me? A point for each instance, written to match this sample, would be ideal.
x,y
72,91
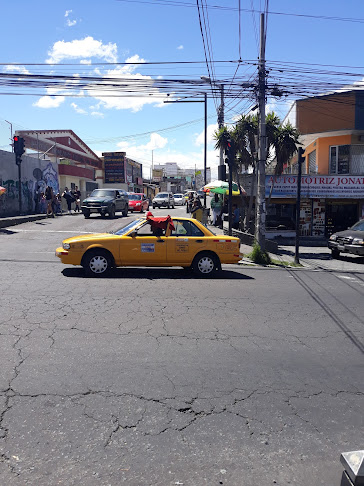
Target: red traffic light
x,y
16,139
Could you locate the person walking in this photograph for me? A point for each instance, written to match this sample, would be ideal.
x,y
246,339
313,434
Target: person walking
x,y
49,198
69,199
196,209
236,217
216,206
77,197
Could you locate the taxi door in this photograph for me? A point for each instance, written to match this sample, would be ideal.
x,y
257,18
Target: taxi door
x,y
143,250
184,242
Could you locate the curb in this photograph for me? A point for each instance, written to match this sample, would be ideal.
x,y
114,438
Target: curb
x,y
14,220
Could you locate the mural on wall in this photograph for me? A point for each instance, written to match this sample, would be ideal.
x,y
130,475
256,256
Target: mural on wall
x,y
41,179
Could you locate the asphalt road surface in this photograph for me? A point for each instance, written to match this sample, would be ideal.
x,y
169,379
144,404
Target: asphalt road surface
x,y
153,377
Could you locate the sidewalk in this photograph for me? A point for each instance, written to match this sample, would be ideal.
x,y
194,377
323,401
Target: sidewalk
x,y
282,256
13,220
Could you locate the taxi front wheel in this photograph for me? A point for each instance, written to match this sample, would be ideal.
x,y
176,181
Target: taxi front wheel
x,y
206,264
97,263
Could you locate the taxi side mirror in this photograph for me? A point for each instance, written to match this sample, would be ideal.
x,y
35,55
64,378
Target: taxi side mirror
x,y
133,234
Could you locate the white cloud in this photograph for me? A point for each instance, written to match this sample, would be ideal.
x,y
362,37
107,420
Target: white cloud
x,y
200,139
97,114
85,61
79,110
180,47
16,69
84,48
67,13
49,101
71,23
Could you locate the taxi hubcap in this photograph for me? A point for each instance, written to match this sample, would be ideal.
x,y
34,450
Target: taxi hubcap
x,y
205,265
98,264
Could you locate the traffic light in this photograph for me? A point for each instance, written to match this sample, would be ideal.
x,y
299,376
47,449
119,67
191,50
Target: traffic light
x,y
229,150
18,148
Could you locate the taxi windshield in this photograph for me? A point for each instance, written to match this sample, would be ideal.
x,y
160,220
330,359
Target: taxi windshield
x,y
128,227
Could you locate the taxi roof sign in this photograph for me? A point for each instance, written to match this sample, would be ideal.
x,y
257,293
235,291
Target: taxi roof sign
x,y
353,463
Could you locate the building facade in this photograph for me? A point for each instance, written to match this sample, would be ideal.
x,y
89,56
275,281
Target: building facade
x,y
332,135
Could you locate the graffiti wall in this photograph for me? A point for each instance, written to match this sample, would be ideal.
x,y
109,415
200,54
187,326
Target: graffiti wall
x,y
34,173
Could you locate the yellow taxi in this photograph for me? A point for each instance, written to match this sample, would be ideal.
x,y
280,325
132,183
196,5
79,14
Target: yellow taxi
x,y
152,242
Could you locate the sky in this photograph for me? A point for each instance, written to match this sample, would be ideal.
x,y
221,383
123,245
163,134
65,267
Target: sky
x,y
160,40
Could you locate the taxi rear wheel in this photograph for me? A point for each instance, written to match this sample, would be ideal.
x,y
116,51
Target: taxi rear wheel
x,y
97,263
206,264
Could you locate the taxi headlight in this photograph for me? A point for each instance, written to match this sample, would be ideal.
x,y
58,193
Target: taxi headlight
x,y
66,246
333,237
358,241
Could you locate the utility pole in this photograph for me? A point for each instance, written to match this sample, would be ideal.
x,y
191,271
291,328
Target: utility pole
x,y
262,145
205,152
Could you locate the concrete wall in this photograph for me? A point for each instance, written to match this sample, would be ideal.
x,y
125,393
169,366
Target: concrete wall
x,y
33,172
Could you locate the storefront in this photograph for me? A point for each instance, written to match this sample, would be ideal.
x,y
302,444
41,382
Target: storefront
x,y
328,203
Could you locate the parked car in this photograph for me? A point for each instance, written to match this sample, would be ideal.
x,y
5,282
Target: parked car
x,y
187,243
348,241
104,201
179,199
138,202
163,199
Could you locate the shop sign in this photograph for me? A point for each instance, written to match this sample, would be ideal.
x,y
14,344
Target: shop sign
x,y
312,186
114,167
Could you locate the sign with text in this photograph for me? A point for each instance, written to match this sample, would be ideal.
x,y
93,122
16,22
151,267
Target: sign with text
x,y
316,186
114,163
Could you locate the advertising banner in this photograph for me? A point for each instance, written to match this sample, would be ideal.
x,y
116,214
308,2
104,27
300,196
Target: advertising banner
x,y
114,167
316,186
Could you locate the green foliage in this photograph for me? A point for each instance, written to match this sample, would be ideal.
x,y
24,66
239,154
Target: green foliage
x,y
259,257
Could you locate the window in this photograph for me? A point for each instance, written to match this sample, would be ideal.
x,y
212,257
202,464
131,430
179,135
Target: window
x,y
312,167
339,159
186,228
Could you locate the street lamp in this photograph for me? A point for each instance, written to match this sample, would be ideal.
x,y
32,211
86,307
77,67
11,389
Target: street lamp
x,y
205,138
220,121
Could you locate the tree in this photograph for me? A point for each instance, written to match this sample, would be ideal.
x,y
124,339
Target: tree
x,y
282,142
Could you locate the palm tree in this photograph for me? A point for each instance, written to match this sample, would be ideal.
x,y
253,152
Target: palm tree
x,y
282,143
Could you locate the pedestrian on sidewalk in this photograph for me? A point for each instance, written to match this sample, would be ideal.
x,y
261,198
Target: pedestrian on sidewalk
x,y
77,197
236,217
216,205
69,199
49,198
196,209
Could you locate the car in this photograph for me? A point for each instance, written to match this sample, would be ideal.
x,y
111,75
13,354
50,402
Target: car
x,y
163,199
152,242
348,241
179,199
138,202
104,201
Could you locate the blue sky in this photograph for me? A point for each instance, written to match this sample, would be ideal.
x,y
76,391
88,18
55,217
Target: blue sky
x,y
84,33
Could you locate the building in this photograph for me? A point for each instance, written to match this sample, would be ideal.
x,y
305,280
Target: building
x,y
122,172
332,135
76,163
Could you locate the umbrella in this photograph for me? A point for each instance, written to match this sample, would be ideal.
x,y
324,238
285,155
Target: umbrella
x,y
2,190
221,187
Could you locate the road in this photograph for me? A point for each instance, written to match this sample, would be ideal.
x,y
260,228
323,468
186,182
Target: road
x,y
153,377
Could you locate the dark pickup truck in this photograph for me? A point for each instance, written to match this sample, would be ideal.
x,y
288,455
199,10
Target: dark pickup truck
x,y
104,201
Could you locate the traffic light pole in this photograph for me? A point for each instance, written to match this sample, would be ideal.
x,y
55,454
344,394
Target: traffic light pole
x,y
230,198
18,162
298,205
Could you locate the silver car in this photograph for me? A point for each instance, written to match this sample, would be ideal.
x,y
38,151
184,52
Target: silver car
x,y
163,199
179,199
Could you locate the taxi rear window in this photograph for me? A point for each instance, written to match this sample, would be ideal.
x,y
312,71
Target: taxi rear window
x,y
185,228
